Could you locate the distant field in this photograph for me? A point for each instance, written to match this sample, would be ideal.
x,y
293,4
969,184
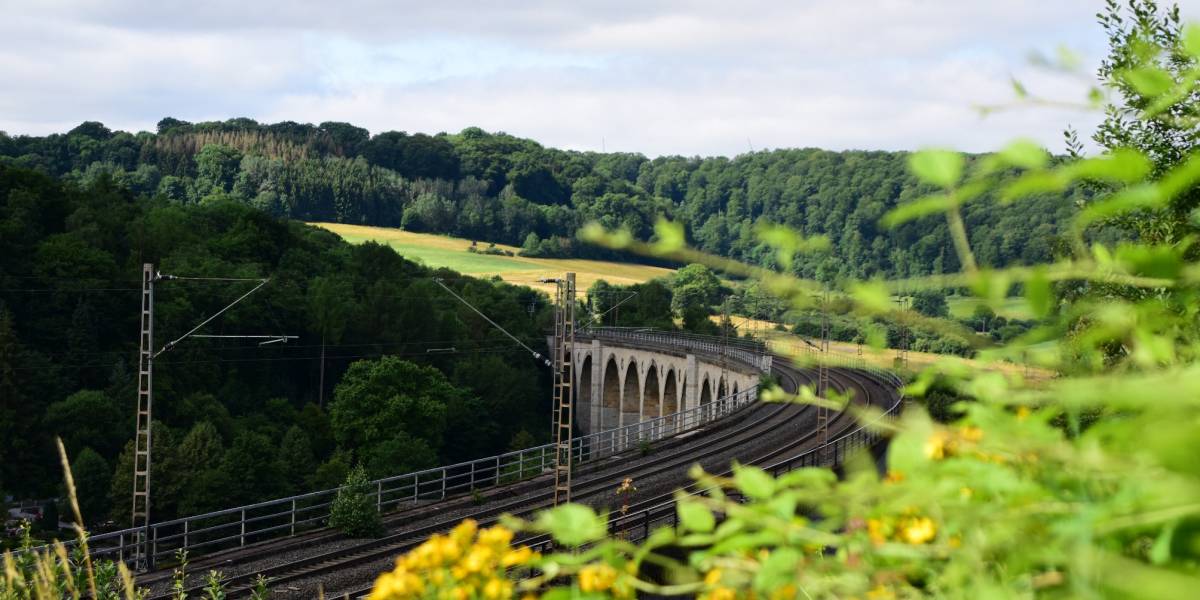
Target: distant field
x,y
444,251
962,307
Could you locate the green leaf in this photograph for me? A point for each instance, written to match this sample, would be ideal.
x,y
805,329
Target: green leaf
x,y
916,209
1125,165
1026,154
778,570
938,167
1038,293
1019,89
991,286
1191,39
1133,198
1035,182
694,516
753,481
1149,81
783,239
872,296
670,236
572,524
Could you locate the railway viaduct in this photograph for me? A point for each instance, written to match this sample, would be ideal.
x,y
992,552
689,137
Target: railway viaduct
x,y
631,376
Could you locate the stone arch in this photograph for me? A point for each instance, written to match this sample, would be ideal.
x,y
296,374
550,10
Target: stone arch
x,y
706,391
583,395
722,389
631,400
610,392
670,394
651,394
735,388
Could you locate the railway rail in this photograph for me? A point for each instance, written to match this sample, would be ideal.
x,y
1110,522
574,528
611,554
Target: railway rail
x,y
596,485
592,483
659,511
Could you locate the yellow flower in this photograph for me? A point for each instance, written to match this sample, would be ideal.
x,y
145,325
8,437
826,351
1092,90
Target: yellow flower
x,y
596,578
971,433
894,477
463,532
398,584
518,556
965,493
935,446
876,531
713,577
917,530
881,593
497,589
496,536
382,589
448,551
477,559
722,593
785,592
1022,413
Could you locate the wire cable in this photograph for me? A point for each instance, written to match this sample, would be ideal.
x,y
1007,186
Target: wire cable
x,y
535,354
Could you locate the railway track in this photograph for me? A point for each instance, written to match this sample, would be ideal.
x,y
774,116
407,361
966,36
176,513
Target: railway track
x,y
597,481
758,418
660,510
385,552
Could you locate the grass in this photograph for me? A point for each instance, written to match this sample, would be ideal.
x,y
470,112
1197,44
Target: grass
x,y
962,307
883,358
450,252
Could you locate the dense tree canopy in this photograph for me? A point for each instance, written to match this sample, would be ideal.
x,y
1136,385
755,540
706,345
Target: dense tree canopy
x,y
70,266
500,188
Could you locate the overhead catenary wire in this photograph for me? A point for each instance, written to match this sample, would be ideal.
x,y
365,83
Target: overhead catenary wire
x,y
172,343
458,352
514,338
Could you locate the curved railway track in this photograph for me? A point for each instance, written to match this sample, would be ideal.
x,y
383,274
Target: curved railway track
x,y
659,510
721,445
759,418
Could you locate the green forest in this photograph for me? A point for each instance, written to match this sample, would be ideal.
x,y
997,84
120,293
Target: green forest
x,y
80,212
500,188
412,377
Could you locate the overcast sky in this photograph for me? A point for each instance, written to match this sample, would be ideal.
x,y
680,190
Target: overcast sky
x,y
701,77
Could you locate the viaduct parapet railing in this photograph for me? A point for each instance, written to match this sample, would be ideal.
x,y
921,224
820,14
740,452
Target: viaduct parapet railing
x,y
238,526
636,526
751,353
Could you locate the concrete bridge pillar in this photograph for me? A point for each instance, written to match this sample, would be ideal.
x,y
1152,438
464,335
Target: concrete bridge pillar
x,y
597,389
692,389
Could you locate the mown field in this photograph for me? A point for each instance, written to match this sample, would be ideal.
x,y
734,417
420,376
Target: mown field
x,y
962,307
444,251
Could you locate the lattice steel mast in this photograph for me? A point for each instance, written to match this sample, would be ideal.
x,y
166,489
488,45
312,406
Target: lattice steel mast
x,y
564,386
141,444
823,374
143,555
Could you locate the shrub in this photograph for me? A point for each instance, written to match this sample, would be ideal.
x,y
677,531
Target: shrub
x,y
353,511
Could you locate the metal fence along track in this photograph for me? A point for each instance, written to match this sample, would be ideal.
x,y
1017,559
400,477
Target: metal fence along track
x,y
239,526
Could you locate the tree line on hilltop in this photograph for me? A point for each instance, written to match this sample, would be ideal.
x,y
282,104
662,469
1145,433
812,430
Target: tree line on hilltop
x,y
500,188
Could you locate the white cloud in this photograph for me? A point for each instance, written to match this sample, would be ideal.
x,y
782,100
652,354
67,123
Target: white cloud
x,y
653,77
